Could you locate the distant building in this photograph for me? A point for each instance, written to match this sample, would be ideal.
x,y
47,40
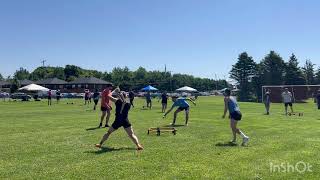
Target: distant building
x,y
52,83
91,83
25,82
5,86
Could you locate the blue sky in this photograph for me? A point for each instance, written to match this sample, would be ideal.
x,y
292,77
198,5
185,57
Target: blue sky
x,y
198,37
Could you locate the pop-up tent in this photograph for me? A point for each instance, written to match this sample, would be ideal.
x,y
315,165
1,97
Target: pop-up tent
x,y
33,87
149,88
186,89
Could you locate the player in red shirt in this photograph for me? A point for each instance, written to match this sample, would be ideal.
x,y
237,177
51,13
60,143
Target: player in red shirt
x,y
106,105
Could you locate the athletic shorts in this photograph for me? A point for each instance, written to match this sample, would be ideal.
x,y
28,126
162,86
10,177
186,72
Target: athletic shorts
x,y
49,97
119,122
288,104
58,98
236,115
184,108
164,102
96,101
148,100
86,98
104,109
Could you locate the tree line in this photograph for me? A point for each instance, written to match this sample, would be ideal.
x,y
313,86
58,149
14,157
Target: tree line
x,y
123,77
271,70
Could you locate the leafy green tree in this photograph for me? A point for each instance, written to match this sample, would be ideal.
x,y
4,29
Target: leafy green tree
x,y
71,72
293,75
21,74
308,71
317,76
273,68
242,72
15,85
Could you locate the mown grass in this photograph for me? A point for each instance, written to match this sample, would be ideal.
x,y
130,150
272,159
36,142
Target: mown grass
x,y
41,142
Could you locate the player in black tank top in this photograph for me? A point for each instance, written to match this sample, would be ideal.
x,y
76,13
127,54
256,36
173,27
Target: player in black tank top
x,y
121,119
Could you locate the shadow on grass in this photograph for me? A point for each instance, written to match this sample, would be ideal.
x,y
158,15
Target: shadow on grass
x,y
92,129
108,149
227,144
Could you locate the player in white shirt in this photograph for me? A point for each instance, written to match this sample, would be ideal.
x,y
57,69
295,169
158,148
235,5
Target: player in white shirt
x,y
287,100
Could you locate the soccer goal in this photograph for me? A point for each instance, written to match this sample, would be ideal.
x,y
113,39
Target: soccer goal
x,y
300,93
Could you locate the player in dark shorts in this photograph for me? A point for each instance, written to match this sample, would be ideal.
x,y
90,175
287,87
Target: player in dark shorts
x,y
148,100
96,96
318,98
86,96
231,105
49,97
182,105
131,97
164,101
121,119
58,96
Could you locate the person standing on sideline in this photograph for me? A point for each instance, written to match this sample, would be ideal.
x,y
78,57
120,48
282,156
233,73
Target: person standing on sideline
x,y
121,120
182,105
287,100
49,97
58,96
131,97
267,101
148,100
96,96
164,101
318,98
106,105
86,96
231,105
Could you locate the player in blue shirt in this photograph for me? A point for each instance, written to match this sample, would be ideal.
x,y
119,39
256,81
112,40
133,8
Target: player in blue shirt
x,y
182,105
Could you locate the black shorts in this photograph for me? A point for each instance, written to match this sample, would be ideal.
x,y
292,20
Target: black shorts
x,y
164,102
236,115
58,98
119,122
288,104
96,101
49,97
148,100
86,98
104,109
184,108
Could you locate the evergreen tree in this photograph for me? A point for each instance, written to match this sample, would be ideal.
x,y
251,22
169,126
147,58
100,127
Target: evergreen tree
x,y
294,75
273,68
308,71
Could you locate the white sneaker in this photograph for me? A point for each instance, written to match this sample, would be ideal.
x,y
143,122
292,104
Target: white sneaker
x,y
245,141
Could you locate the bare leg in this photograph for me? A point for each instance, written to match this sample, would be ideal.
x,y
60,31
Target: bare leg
x,y
106,135
133,137
175,116
187,117
291,109
108,116
233,125
286,110
102,117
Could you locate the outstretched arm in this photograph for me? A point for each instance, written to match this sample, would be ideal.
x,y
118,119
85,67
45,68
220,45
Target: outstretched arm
x,y
188,99
168,112
117,91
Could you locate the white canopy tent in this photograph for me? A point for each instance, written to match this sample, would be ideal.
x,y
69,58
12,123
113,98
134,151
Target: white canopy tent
x,y
186,89
33,87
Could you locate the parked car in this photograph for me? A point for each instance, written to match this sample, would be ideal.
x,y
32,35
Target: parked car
x,y
4,95
22,96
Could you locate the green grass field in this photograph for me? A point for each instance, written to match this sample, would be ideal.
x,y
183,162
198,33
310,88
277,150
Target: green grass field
x,y
41,142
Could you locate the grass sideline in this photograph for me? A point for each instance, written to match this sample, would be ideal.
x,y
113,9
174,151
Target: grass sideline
x,y
41,142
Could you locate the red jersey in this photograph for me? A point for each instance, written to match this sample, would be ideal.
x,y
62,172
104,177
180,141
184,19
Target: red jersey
x,y
105,98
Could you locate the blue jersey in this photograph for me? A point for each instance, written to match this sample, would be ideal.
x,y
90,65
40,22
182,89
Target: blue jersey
x,y
233,105
181,102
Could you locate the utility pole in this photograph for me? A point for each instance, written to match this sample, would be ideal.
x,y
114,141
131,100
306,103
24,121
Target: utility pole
x,y
43,61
